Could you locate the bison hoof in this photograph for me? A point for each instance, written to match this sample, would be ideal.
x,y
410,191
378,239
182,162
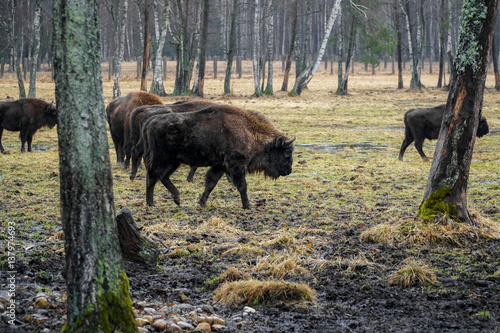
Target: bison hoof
x,y
425,159
177,201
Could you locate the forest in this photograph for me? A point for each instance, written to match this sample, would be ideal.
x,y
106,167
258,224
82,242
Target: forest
x,y
355,238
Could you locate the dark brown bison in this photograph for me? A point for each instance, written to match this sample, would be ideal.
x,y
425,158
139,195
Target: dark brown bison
x,y
118,116
142,114
224,138
26,115
425,123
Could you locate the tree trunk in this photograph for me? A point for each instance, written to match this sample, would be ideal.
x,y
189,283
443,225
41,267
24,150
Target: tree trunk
x,y
446,189
256,50
202,56
183,58
36,50
442,42
343,84
306,76
231,49
293,36
121,22
161,35
145,55
134,246
269,21
494,56
97,287
399,45
410,10
15,60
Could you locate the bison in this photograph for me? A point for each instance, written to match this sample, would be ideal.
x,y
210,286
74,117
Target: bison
x,y
425,123
142,114
26,115
224,138
118,116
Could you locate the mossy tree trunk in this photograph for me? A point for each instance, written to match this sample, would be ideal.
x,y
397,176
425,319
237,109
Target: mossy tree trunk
x,y
97,287
446,189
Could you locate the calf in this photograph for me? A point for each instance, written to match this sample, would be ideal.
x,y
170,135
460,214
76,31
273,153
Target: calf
x,y
425,123
26,115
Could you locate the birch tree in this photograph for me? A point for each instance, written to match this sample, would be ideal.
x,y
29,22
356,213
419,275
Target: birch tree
x,y
147,41
256,49
231,48
120,24
293,36
36,49
161,28
269,19
414,41
446,190
97,287
306,76
202,52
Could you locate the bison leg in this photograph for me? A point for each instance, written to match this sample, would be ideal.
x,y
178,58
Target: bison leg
x,y
137,152
406,142
23,136
2,150
418,145
30,139
118,148
171,188
151,180
190,176
240,182
212,177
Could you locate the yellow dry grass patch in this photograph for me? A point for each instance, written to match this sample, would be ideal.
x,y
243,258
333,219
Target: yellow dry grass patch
x,y
256,292
233,274
278,266
442,231
218,226
247,250
414,271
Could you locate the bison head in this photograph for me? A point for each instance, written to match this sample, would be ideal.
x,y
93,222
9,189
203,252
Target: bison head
x,y
483,128
280,158
50,115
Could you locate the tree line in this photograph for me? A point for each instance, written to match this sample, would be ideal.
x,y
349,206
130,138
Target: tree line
x,y
300,32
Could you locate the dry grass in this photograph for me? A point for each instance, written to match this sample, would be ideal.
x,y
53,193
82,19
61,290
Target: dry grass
x,y
280,265
412,231
233,274
413,272
254,292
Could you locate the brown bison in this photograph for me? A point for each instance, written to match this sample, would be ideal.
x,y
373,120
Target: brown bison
x,y
142,114
425,123
118,116
26,115
224,138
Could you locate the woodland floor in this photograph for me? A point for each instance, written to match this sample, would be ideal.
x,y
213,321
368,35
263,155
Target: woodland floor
x,y
346,179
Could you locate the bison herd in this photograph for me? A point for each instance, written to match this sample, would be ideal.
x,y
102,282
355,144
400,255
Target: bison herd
x,y
198,133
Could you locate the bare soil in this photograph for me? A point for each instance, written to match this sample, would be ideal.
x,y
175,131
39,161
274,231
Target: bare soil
x,y
346,179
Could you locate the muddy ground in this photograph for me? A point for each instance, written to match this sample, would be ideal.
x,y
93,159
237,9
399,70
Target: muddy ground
x,y
346,179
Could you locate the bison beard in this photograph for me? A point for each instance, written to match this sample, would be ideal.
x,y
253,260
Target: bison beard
x,y
425,123
226,139
26,115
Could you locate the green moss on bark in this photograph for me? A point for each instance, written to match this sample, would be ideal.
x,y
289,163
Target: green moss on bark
x,y
434,205
112,312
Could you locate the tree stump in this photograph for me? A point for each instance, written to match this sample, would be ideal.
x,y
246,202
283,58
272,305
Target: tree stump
x,y
135,247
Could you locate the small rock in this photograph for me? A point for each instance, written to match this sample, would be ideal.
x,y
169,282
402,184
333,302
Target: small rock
x,y
185,325
149,310
203,327
174,328
160,324
141,321
142,330
38,319
218,321
249,310
41,303
205,319
217,327
237,319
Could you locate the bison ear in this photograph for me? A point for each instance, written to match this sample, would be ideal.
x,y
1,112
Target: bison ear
x,y
282,141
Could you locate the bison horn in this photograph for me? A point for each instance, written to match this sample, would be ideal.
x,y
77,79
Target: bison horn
x,y
291,140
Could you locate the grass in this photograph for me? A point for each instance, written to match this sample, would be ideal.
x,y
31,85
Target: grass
x,y
413,272
346,183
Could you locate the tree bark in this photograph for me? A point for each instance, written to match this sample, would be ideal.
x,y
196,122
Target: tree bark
x,y
410,11
145,55
97,287
494,55
442,42
293,36
256,50
183,73
161,33
269,21
343,83
231,49
446,189
121,20
399,45
202,55
15,60
36,50
134,246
